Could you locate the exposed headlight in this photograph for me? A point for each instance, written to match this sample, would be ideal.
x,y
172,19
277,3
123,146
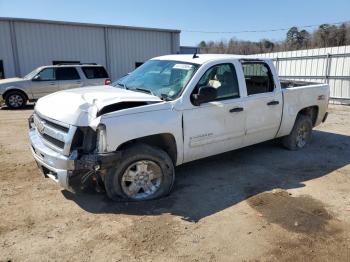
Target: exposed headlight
x,y
101,139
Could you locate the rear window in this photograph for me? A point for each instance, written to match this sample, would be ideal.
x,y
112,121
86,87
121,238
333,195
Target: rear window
x,y
91,72
67,73
258,78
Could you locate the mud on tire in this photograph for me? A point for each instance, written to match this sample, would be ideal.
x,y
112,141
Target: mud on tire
x,y
300,135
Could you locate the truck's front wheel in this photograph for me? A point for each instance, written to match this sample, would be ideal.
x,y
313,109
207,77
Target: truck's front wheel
x,y
300,135
143,173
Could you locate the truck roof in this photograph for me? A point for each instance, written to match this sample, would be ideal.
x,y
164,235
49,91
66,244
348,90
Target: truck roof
x,y
203,58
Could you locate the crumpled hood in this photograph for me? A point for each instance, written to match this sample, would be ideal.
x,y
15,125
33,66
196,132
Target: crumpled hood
x,y
80,106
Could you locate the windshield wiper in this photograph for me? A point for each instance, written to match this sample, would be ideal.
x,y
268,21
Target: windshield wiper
x,y
123,85
165,97
145,90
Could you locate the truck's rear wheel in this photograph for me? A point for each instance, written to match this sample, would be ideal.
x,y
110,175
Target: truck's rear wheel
x,y
300,135
15,100
143,173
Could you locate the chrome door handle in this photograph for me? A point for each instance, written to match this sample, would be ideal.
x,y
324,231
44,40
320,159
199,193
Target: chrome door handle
x,y
236,109
273,103
52,84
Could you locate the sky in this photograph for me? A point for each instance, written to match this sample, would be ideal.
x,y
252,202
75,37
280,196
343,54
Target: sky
x,y
191,15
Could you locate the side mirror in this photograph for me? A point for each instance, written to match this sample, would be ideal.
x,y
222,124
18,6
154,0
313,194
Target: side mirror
x,y
205,94
36,78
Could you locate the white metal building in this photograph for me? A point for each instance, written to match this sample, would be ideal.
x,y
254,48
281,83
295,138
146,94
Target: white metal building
x,y
329,65
27,43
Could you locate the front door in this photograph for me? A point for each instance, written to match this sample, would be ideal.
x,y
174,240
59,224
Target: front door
x,y
44,83
263,103
217,126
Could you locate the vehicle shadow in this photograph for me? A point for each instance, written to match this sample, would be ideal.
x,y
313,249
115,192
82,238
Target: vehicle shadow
x,y
210,185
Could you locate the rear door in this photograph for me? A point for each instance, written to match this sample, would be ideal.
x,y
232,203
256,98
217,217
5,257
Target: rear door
x,y
263,102
219,125
68,78
95,75
44,83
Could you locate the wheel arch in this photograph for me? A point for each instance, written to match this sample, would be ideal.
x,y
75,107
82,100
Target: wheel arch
x,y
14,89
311,111
291,115
164,141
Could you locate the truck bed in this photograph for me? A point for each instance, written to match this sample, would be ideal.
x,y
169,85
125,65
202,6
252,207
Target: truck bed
x,y
293,83
298,95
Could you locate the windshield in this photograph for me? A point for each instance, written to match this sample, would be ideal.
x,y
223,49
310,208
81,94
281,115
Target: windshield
x,y
31,74
162,78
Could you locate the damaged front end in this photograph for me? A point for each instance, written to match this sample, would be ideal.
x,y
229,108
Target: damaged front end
x,y
74,157
68,142
90,169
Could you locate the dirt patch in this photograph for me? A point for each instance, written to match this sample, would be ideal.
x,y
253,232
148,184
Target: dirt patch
x,y
301,214
306,248
148,236
319,236
20,171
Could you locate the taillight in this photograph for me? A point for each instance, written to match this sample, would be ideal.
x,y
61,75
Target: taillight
x,y
108,82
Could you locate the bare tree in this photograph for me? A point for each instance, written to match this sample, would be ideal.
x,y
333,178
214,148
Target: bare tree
x,y
325,36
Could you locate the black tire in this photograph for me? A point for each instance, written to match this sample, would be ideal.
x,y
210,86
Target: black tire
x,y
15,100
303,124
114,184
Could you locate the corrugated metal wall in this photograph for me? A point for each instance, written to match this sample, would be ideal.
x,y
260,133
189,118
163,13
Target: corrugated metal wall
x,y
129,46
38,43
6,53
327,65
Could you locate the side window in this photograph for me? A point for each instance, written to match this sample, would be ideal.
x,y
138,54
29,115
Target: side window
x,y
223,78
258,78
47,74
2,72
67,73
91,72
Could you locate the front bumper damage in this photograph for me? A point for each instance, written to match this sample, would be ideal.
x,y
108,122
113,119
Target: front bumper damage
x,y
65,169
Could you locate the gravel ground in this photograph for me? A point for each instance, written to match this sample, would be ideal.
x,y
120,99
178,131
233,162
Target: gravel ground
x,y
261,203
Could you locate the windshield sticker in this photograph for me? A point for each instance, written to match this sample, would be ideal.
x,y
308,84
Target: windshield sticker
x,y
183,66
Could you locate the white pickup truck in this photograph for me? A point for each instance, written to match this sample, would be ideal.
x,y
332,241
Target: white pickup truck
x,y
171,110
